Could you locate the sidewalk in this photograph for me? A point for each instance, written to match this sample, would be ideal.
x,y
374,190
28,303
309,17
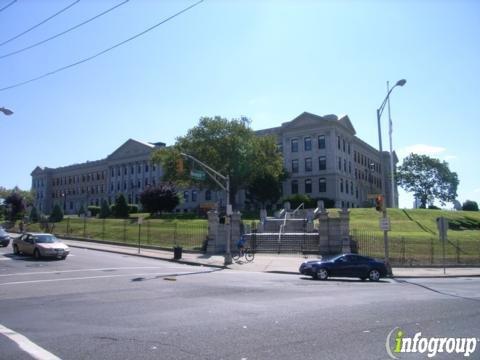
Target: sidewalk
x,y
287,264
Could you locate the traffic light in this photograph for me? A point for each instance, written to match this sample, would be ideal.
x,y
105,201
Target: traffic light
x,y
379,203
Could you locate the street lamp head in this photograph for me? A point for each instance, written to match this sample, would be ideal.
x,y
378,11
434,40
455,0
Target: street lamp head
x,y
401,82
6,111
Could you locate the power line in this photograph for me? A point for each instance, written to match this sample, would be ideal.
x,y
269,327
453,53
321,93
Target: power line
x,y
101,52
40,23
8,5
63,32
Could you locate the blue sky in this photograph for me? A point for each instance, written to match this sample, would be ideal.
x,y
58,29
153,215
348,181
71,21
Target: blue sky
x,y
267,60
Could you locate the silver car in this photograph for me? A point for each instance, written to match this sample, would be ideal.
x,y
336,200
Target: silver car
x,y
40,245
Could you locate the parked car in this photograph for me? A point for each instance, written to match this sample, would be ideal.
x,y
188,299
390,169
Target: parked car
x,y
345,265
40,245
4,238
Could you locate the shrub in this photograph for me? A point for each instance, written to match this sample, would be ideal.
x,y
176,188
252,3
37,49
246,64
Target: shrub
x,y
132,209
470,205
94,210
104,210
120,209
57,214
34,215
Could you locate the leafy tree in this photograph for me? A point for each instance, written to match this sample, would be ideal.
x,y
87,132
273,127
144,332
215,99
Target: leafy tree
x,y
34,217
266,189
93,210
428,179
228,146
57,214
160,198
15,206
104,210
81,211
120,209
470,205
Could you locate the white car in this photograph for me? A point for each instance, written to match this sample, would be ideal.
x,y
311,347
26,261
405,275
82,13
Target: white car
x,y
40,245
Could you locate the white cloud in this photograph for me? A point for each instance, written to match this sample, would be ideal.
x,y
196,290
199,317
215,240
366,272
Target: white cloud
x,y
421,149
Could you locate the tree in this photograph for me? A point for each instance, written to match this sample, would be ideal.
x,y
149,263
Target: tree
x,y
228,146
160,198
470,205
120,209
15,206
57,214
428,178
266,189
34,217
104,210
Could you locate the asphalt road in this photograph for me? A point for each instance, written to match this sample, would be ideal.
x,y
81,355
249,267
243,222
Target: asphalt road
x,y
98,305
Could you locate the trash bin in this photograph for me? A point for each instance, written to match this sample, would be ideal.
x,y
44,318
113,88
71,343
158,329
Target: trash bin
x,y
177,252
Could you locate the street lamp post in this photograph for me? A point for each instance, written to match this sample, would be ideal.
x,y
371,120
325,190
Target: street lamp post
x,y
226,187
6,111
384,208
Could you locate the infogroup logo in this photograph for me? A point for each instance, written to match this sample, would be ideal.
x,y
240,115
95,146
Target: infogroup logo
x,y
397,343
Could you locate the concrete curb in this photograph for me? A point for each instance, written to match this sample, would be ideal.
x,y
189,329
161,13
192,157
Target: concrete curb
x,y
185,262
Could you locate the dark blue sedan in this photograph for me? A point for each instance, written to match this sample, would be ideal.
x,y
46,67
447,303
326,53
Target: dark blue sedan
x,y
344,265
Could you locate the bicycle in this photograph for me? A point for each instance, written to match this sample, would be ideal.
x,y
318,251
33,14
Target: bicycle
x,y
245,252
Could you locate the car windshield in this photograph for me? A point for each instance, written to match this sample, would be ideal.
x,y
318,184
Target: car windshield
x,y
45,239
3,232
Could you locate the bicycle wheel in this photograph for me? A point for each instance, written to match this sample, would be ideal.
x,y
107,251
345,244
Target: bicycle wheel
x,y
236,256
249,255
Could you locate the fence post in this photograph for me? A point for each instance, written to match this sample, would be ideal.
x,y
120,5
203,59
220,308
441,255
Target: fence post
x,y
458,251
175,234
431,251
124,230
103,229
148,232
84,226
403,251
68,226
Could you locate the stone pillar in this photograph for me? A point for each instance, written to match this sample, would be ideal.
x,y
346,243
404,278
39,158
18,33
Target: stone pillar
x,y
323,241
213,227
345,230
263,215
236,228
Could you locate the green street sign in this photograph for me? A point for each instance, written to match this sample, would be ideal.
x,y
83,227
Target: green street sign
x,y
197,174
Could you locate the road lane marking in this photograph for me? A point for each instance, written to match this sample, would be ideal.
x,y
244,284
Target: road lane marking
x,y
98,277
28,346
80,270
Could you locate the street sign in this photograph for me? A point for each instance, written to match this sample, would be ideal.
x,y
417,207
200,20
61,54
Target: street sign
x,y
140,221
385,224
197,174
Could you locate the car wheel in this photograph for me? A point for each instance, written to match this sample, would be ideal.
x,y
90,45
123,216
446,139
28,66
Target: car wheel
x,y
63,257
36,254
322,274
374,275
15,250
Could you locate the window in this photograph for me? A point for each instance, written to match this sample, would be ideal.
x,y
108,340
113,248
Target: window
x,y
321,141
294,145
307,143
294,187
131,169
295,166
194,195
139,169
146,167
280,147
322,163
124,170
345,165
112,174
349,167
351,187
308,186
356,192
308,164
338,142
208,195
348,148
339,163
146,182
322,185
185,196
343,145
355,156
341,185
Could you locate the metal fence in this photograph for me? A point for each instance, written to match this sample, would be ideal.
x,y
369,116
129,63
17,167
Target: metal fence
x,y
154,233
405,251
